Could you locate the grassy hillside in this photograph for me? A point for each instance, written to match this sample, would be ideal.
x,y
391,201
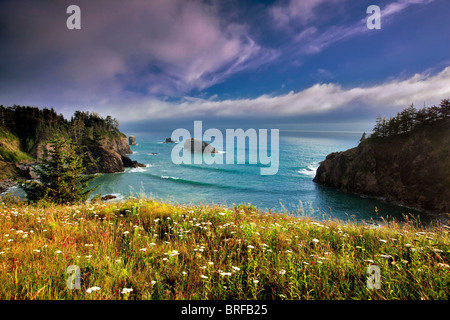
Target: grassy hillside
x,y
10,153
165,251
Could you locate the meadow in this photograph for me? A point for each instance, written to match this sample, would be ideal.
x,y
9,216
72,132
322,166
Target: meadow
x,y
145,249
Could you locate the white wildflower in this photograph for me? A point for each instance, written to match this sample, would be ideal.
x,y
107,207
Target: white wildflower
x,y
126,290
282,271
90,290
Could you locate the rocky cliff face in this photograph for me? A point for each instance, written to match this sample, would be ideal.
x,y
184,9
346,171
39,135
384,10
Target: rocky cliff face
x,y
411,169
112,156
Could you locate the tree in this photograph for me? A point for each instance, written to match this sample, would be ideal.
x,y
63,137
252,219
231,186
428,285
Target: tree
x,y
61,178
363,137
445,108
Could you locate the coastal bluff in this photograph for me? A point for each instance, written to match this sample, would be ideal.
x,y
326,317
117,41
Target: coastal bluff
x,y
411,169
25,133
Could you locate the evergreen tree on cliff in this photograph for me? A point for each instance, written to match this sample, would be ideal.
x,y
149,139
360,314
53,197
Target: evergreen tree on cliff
x,y
61,178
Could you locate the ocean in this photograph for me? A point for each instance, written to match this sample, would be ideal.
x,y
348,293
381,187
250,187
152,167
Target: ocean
x,y
290,190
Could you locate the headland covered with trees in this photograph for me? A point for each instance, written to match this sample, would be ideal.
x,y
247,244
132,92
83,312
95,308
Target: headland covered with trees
x,y
410,118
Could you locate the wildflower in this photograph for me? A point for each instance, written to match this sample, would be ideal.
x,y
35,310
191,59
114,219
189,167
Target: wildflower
x,y
126,232
255,281
315,240
288,251
203,277
222,213
223,274
58,251
282,272
152,244
36,250
210,263
184,272
443,265
92,289
126,290
382,240
173,253
143,249
250,247
235,268
368,260
153,282
89,256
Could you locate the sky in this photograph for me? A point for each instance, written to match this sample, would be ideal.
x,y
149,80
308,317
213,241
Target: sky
x,y
297,64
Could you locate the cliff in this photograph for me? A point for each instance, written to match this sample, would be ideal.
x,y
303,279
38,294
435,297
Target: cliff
x,y
411,168
25,131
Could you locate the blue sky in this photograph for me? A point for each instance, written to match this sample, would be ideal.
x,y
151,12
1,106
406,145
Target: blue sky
x,y
309,64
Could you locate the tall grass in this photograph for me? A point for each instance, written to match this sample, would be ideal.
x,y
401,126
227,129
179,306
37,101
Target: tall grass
x,y
164,251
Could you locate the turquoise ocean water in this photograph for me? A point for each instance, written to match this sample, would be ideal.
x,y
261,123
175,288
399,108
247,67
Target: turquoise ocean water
x,y
291,189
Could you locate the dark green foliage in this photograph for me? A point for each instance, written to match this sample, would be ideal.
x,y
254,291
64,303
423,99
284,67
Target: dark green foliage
x,y
61,178
410,119
33,125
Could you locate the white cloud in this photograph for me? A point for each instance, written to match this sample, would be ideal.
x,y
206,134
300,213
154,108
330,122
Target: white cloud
x,y
317,99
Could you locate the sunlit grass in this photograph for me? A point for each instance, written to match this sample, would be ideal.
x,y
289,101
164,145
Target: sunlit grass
x,y
143,249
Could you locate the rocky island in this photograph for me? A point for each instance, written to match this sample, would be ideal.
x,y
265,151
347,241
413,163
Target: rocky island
x,y
199,146
402,164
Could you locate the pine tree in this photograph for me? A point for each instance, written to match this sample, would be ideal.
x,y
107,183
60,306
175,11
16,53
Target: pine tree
x,y
61,178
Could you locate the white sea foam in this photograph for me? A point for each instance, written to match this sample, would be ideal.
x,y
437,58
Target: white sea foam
x,y
167,177
140,169
309,171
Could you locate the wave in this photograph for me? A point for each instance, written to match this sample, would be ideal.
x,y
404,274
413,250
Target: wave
x,y
309,171
195,183
209,168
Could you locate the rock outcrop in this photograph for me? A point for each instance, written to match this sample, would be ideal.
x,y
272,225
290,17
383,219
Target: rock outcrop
x,y
128,163
132,140
411,169
199,146
169,140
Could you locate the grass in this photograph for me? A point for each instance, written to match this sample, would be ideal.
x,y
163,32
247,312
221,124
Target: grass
x,y
165,251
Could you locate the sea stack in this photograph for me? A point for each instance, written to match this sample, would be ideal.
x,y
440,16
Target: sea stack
x,y
132,140
199,146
